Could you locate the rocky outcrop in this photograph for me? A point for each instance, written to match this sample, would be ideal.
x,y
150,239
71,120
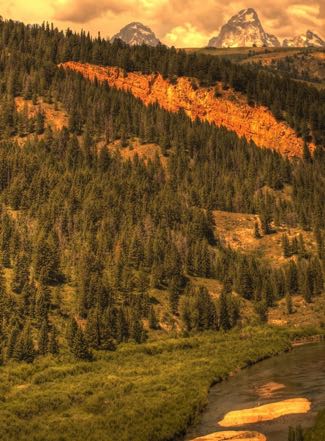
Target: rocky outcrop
x,y
228,109
266,412
232,436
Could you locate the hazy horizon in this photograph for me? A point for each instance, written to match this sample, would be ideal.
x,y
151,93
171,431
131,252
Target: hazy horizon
x,y
182,23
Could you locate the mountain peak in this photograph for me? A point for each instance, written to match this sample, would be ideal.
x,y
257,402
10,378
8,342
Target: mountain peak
x,y
246,15
137,33
309,39
244,30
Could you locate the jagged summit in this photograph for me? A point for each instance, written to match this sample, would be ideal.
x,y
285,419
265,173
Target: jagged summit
x,y
310,39
137,33
244,30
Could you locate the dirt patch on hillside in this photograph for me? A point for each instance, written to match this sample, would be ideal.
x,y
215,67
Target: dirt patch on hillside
x,y
236,230
146,151
56,118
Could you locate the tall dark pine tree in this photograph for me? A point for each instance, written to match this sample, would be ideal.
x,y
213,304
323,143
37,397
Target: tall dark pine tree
x,y
80,348
224,316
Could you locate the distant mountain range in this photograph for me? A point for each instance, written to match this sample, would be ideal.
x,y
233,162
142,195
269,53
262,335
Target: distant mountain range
x,y
245,30
242,30
307,40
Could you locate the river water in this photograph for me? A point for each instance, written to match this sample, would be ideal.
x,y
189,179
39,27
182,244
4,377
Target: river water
x,y
297,374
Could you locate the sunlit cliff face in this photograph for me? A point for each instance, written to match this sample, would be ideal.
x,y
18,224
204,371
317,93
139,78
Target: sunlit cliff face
x,y
183,23
228,110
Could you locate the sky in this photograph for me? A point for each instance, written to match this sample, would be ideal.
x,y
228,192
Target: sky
x,y
181,23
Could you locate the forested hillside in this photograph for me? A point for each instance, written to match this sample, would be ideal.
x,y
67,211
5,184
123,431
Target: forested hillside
x,y
300,105
88,237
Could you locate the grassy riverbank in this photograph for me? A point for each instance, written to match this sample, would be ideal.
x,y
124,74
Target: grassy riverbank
x,y
147,392
317,433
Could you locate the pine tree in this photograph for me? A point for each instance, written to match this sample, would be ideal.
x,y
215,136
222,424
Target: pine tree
x,y
306,153
20,273
137,332
71,332
319,236
47,260
289,304
153,322
286,246
93,332
43,302
12,340
185,313
53,346
122,326
307,284
80,348
174,293
261,309
24,349
316,276
257,233
40,123
108,330
292,278
43,339
224,318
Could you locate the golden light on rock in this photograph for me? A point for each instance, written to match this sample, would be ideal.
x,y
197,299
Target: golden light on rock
x,y
228,109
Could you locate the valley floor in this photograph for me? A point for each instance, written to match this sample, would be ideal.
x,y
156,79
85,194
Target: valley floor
x,y
147,392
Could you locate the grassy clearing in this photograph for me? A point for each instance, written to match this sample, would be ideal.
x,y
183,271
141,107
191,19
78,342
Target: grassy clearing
x,y
237,231
148,392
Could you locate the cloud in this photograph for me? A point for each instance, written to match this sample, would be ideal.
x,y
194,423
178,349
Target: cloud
x,y
186,35
83,11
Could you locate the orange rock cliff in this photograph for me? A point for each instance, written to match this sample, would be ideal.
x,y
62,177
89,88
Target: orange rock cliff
x,y
229,110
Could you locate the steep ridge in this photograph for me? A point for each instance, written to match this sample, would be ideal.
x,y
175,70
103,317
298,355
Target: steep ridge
x,y
229,110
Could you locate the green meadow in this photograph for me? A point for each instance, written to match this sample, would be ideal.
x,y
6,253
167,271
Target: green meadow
x,y
143,392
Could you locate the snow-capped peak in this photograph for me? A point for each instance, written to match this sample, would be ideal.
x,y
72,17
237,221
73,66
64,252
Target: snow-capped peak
x,y
136,34
244,30
310,39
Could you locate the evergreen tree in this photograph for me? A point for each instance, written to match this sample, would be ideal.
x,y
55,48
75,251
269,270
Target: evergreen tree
x,y
12,340
24,348
43,303
53,346
224,318
289,304
80,348
43,339
93,332
71,331
261,309
257,233
153,322
286,246
20,274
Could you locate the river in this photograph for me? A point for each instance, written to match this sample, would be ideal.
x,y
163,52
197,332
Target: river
x,y
296,374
